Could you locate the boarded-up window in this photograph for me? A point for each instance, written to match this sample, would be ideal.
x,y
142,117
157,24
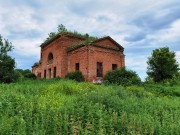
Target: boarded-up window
x,y
99,69
44,73
77,66
114,66
54,72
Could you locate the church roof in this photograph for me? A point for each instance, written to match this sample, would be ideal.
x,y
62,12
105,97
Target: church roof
x,y
93,43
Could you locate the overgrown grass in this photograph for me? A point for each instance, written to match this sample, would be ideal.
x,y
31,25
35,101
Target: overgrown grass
x,y
68,107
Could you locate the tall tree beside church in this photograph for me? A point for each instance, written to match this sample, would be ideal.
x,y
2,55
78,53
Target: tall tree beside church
x,y
162,64
7,64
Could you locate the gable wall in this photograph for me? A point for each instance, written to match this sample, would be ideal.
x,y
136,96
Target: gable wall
x,y
107,43
107,57
59,50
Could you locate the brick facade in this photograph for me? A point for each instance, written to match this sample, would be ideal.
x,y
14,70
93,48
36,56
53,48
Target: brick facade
x,y
103,54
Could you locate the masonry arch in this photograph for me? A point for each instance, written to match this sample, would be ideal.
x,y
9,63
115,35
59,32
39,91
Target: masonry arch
x,y
50,58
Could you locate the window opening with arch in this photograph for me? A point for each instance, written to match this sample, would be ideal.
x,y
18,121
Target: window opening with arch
x,y
50,58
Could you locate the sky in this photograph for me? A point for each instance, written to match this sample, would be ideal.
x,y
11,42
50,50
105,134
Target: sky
x,y
139,26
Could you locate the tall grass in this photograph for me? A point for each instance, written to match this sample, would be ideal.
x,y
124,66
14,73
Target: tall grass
x,y
68,107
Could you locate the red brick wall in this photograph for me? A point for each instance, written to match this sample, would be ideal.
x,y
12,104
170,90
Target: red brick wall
x,y
59,50
86,56
107,57
79,56
37,71
34,70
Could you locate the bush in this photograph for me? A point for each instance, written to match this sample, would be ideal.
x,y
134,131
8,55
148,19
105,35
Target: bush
x,y
167,82
122,77
25,74
57,78
77,76
30,76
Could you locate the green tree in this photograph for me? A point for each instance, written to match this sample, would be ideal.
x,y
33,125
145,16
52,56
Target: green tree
x,y
51,35
5,46
7,64
61,28
162,64
25,74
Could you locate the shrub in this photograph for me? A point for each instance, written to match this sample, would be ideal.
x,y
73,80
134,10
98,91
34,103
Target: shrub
x,y
168,82
25,74
30,76
122,77
57,78
77,76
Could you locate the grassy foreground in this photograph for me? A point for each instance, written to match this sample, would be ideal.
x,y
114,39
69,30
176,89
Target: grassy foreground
x,y
67,107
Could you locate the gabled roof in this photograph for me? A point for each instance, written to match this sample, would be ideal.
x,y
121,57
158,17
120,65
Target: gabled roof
x,y
93,43
108,37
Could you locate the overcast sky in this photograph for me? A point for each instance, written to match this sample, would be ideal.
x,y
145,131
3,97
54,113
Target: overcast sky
x,y
139,26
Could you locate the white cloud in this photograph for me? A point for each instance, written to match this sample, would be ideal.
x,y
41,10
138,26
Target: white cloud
x,y
27,24
171,34
27,47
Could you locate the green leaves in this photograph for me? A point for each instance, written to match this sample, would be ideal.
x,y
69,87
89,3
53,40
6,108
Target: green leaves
x,y
77,76
61,28
122,77
5,46
69,107
7,64
162,64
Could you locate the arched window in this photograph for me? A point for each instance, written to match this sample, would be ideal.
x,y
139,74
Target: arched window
x,y
50,58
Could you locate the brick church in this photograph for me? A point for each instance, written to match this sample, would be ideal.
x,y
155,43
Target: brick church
x,y
67,53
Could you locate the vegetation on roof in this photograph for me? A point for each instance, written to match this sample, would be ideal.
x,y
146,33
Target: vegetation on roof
x,y
61,29
88,40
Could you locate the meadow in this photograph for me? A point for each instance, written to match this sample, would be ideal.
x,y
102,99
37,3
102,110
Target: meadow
x,y
61,107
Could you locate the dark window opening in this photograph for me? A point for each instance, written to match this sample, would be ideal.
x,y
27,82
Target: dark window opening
x,y
77,66
44,73
114,66
39,75
50,58
54,72
49,70
99,69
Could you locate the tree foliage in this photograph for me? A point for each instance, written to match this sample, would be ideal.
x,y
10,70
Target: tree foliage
x,y
162,65
77,76
61,28
5,46
51,35
122,77
25,74
7,64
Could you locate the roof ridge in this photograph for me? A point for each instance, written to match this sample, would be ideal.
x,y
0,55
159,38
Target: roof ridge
x,y
61,34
